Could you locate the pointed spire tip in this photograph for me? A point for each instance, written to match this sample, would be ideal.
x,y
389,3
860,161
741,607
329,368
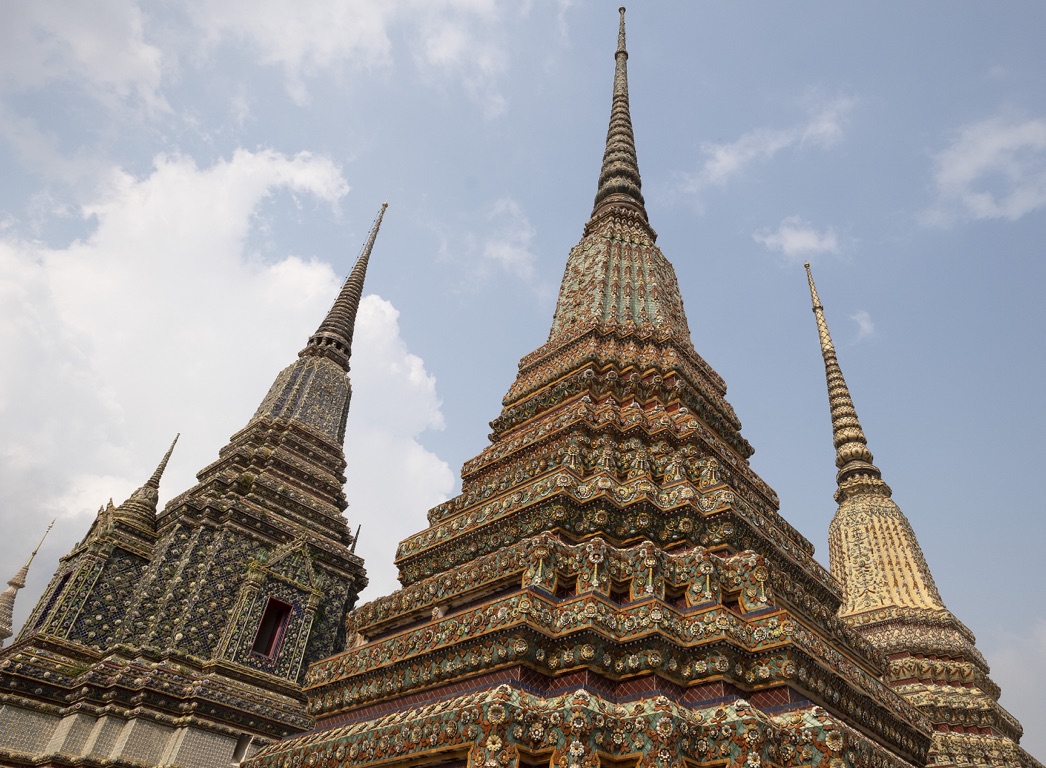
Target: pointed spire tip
x,y
154,481
852,456
333,339
621,33
620,187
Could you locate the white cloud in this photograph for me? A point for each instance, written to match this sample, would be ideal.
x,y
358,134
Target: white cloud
x,y
798,240
499,245
161,321
39,151
723,162
102,45
99,44
865,326
454,41
301,38
392,479
464,42
508,246
994,169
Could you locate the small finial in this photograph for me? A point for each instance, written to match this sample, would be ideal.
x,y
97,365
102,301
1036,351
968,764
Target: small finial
x,y
621,33
356,538
49,527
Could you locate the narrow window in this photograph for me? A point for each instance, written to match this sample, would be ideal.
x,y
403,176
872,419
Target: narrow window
x,y
270,630
240,753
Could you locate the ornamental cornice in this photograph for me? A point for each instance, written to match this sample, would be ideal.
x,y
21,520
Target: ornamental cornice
x,y
621,385
492,727
587,622
720,656
932,669
913,630
650,353
567,487
568,434
259,524
965,749
546,562
61,678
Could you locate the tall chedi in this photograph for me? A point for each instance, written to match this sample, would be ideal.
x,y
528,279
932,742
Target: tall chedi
x,y
614,584
180,638
890,598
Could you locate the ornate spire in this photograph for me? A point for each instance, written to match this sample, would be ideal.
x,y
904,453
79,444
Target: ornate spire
x,y
852,456
889,596
616,278
310,391
333,338
619,182
872,547
7,599
140,507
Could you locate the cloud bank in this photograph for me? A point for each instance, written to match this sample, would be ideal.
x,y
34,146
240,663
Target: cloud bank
x,y
993,169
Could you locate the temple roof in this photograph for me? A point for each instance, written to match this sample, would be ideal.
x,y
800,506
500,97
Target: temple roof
x,y
890,598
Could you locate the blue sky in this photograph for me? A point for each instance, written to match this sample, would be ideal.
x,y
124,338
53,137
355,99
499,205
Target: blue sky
x,y
183,185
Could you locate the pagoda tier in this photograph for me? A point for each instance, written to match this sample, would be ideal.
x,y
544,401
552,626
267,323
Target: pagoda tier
x,y
614,583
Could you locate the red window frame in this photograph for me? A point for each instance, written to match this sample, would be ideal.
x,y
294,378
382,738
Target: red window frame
x,y
271,628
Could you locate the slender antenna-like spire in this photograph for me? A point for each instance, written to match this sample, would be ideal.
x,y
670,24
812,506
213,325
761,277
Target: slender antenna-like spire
x,y
140,506
7,599
619,182
333,338
356,538
154,479
852,456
